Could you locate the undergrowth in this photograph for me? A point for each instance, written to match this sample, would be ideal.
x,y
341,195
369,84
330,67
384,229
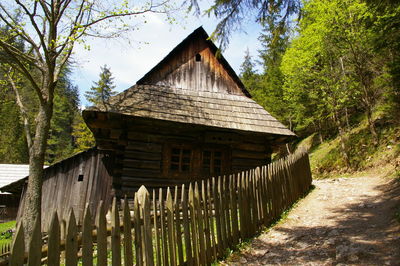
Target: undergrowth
x,y
326,158
6,232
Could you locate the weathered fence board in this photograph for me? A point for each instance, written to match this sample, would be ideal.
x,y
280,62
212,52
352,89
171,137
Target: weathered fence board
x,y
191,225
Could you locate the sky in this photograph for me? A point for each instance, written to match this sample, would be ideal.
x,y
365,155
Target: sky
x,y
131,57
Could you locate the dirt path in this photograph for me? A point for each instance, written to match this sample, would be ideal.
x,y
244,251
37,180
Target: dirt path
x,y
346,221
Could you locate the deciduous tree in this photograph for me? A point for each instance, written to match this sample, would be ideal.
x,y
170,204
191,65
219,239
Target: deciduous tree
x,y
50,30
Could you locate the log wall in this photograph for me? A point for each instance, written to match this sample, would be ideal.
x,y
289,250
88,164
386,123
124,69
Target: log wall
x,y
142,156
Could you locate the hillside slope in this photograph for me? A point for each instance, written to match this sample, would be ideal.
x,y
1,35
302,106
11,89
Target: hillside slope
x,y
327,161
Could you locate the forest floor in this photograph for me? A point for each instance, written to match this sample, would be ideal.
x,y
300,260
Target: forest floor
x,y
343,221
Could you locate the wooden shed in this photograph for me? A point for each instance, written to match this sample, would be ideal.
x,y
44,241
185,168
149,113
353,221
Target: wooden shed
x,y
188,118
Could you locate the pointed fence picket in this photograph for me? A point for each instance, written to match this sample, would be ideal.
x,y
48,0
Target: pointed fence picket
x,y
186,225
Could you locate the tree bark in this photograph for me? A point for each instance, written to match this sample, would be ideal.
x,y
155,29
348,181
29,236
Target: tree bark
x,y
342,139
33,198
371,126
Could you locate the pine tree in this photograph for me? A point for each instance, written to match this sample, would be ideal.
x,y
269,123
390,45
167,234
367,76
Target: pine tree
x,y
247,74
102,90
274,40
83,137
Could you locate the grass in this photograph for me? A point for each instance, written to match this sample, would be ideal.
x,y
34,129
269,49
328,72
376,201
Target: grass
x,y
327,160
5,237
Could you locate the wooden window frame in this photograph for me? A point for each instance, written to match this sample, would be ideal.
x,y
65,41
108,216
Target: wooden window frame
x,y
196,169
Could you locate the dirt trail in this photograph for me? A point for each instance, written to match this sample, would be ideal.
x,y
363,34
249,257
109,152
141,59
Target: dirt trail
x,y
345,221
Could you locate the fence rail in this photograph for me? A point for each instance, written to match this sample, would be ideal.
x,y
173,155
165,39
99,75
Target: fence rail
x,y
192,225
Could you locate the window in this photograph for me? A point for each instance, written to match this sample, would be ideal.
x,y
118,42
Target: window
x,y
198,57
212,162
180,159
187,160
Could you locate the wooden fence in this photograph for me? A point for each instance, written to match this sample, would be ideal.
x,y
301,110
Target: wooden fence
x,y
192,225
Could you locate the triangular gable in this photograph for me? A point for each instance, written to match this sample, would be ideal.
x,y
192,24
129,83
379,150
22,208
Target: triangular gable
x,y
194,65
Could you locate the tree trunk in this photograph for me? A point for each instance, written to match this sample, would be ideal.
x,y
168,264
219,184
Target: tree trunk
x,y
32,203
342,139
321,138
371,126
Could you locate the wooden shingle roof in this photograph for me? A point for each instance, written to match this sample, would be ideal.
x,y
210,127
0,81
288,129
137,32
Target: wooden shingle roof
x,y
214,109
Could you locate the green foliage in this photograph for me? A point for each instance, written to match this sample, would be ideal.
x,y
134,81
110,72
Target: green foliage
x,y
247,74
6,232
60,144
84,138
102,90
13,148
338,75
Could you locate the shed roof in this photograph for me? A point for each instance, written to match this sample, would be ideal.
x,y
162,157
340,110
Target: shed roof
x,y
10,173
214,109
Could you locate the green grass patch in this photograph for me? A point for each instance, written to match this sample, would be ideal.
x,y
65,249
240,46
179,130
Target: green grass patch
x,y
326,159
6,232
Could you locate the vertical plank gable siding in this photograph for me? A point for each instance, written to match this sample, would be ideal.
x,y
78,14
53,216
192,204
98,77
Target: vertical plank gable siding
x,y
208,217
183,71
62,190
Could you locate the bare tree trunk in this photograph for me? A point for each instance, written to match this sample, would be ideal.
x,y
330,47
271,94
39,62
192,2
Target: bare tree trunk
x,y
321,139
32,206
342,139
371,126
347,118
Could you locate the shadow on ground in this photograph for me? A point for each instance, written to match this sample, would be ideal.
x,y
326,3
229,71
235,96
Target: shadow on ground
x,y
363,233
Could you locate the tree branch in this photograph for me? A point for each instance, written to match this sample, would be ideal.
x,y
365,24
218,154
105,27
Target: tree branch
x,y
24,70
22,109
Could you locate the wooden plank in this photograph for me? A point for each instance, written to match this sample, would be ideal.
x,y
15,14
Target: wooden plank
x,y
128,249
17,253
134,155
245,207
156,228
220,245
53,251
178,228
164,235
71,241
171,231
141,172
87,242
143,146
138,231
207,231
200,226
144,204
221,206
101,237
186,226
234,209
243,154
142,164
239,186
212,220
35,245
193,226
115,234
226,209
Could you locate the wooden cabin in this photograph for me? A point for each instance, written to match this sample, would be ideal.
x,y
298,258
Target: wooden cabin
x,y
188,118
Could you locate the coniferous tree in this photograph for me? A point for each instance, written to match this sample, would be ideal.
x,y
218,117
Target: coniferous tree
x,y
102,90
248,75
83,137
274,40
